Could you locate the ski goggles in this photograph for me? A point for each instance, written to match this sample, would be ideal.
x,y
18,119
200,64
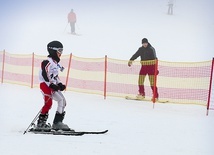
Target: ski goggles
x,y
57,49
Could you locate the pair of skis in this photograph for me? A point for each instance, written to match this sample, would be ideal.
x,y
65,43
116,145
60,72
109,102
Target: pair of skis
x,y
66,133
31,129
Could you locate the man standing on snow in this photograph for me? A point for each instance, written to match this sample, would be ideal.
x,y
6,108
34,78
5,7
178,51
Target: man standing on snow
x,y
72,20
51,87
148,62
170,5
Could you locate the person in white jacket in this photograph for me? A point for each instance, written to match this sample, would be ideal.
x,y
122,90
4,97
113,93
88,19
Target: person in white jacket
x,y
51,87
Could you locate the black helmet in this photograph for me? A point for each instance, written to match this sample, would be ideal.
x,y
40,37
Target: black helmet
x,y
54,47
145,40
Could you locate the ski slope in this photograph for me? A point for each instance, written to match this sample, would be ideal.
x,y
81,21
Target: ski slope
x,y
113,28
134,126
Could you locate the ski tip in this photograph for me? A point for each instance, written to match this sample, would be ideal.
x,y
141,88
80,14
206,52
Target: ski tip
x,y
95,132
103,132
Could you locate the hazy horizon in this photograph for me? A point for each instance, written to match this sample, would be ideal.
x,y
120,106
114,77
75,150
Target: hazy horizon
x,y
110,28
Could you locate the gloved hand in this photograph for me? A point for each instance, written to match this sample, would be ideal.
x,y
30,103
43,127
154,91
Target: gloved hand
x,y
61,86
130,63
54,87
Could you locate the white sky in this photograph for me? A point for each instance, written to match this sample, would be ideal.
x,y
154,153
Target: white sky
x,y
112,28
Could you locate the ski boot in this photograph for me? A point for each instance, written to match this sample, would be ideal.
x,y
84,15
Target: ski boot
x,y
41,123
58,124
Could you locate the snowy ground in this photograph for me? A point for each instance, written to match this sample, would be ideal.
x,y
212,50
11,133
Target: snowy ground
x,y
134,127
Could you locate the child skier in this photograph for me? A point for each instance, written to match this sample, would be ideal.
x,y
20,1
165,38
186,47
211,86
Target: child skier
x,y
51,88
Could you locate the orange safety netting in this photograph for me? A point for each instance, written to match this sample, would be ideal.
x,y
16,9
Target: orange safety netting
x,y
177,82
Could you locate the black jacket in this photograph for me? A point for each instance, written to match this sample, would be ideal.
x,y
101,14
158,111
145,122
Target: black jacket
x,y
147,53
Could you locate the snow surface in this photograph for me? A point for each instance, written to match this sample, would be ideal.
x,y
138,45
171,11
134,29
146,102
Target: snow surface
x,y
134,126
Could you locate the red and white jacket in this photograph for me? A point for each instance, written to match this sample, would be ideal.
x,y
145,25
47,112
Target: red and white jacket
x,y
49,72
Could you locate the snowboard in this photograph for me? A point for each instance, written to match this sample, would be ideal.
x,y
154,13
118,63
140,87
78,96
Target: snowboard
x,y
145,99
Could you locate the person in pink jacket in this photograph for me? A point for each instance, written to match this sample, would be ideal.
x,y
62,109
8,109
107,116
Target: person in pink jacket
x,y
72,20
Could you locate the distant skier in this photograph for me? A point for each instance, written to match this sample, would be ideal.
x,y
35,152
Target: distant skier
x,y
72,20
170,7
51,88
148,57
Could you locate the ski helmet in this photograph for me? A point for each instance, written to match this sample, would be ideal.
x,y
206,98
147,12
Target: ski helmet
x,y
54,47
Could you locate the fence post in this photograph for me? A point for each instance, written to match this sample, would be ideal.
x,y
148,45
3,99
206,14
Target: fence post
x,y
210,87
3,61
105,76
32,73
68,72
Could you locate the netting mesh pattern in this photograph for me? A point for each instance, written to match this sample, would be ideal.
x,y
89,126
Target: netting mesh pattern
x,y
178,82
86,75
184,82
211,105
